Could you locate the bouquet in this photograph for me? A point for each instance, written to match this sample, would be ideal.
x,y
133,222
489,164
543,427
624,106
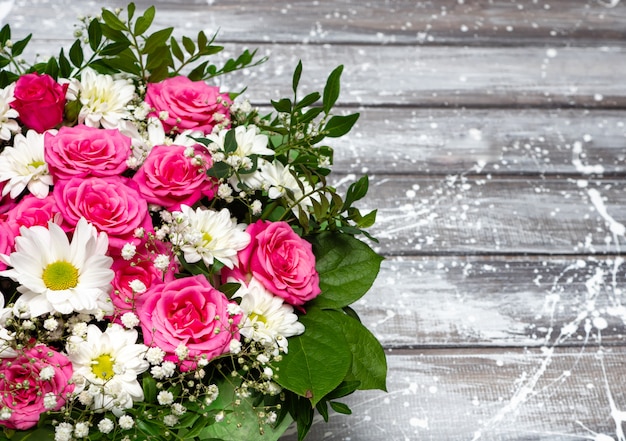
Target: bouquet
x,y
175,264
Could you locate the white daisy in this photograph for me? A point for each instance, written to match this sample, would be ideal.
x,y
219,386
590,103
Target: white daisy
x,y
103,98
8,124
58,276
280,182
24,166
109,363
249,142
267,318
210,235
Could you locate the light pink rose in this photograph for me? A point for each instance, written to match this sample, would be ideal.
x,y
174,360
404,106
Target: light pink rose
x,y
81,151
112,204
281,260
190,105
40,101
141,268
169,178
27,403
187,311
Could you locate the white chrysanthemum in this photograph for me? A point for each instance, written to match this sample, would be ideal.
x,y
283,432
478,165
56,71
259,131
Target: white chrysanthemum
x,y
280,182
212,235
109,362
24,166
103,98
267,318
8,124
56,275
249,142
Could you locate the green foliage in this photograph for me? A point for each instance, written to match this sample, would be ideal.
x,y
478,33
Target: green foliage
x,y
118,43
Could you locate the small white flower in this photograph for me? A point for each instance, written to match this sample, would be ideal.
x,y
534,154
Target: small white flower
x,y
168,368
268,372
28,325
63,432
181,351
130,320
50,324
23,165
224,191
50,401
162,262
139,232
128,251
249,142
137,286
257,207
165,398
219,416
81,430
235,346
155,355
5,413
79,329
106,425
126,422
46,373
213,235
178,409
170,420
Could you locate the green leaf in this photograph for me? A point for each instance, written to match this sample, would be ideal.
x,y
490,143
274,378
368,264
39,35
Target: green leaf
x,y
5,34
149,388
340,408
219,170
308,100
369,364
65,69
202,41
283,106
230,142
176,50
52,68
297,73
332,88
76,54
189,45
112,20
19,46
347,268
318,360
356,191
159,38
115,48
131,10
143,23
340,125
94,31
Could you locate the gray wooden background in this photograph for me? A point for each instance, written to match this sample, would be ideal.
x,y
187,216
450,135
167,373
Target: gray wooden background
x,y
494,133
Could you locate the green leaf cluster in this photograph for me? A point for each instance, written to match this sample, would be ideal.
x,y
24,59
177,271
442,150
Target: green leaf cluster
x,y
117,43
337,354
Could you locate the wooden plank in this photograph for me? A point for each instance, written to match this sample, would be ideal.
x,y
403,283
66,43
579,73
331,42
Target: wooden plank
x,y
496,301
406,22
392,76
490,395
484,141
468,215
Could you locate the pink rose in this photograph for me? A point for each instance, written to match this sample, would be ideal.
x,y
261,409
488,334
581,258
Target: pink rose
x,y
86,151
140,268
190,105
27,403
281,260
112,204
170,178
191,312
40,101
32,211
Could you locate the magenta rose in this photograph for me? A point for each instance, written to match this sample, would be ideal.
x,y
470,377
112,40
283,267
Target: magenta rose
x,y
170,178
191,312
281,260
112,204
33,211
27,403
40,101
86,151
190,105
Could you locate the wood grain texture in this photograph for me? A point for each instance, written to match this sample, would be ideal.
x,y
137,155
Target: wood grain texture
x,y
487,395
405,22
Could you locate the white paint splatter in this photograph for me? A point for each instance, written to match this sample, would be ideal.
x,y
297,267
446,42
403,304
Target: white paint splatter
x,y
596,199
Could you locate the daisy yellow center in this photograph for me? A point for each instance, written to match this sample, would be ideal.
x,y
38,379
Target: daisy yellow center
x,y
60,275
258,318
102,367
207,238
36,164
